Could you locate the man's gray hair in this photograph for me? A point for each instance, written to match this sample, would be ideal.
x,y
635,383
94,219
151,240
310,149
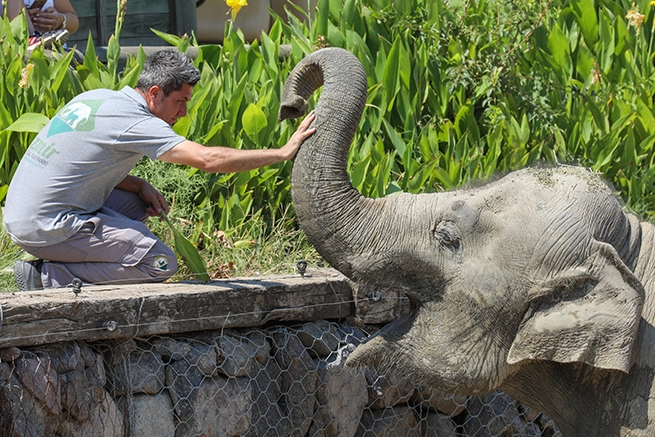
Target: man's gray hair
x,y
169,70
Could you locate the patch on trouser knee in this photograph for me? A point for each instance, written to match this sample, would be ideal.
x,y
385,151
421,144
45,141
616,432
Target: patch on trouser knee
x,y
160,263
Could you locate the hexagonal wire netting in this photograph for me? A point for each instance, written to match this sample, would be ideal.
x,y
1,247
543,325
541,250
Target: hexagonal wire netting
x,y
280,381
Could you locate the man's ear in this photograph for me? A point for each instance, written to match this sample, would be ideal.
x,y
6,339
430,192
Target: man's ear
x,y
588,314
154,92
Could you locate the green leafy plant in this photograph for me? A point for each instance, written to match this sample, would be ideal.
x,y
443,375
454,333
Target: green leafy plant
x,y
188,252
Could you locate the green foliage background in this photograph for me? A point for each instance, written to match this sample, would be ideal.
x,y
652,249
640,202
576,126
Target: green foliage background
x,y
458,90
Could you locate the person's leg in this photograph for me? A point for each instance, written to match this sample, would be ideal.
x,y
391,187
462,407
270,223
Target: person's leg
x,y
109,249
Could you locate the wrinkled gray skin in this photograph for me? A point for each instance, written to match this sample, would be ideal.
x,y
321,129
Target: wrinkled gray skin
x,y
537,284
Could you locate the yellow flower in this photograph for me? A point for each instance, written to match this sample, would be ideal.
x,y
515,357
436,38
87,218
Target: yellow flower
x,y
635,18
25,76
236,6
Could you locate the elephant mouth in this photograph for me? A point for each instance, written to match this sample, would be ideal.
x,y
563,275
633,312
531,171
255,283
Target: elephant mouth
x,y
414,303
375,351
401,326
408,319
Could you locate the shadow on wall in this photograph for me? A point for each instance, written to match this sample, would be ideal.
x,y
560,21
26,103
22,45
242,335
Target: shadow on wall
x,y
212,15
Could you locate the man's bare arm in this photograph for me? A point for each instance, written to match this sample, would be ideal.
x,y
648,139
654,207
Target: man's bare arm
x,y
219,159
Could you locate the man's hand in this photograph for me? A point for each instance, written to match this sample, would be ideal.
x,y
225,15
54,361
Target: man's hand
x,y
153,198
149,194
303,132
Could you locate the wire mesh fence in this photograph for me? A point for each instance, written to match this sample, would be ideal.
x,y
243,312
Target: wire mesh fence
x,y
278,381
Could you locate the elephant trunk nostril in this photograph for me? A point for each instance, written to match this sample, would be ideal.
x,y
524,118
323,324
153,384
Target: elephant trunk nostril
x,y
294,107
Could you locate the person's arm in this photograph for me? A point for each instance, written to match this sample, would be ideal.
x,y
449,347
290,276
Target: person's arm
x,y
61,16
216,159
14,9
146,192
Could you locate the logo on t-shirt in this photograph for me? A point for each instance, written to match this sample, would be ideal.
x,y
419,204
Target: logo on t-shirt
x,y
77,116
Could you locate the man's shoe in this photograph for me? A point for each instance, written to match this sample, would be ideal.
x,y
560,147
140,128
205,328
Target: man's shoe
x,y
28,275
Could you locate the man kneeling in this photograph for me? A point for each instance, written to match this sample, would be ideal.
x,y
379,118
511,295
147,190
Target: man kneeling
x,y
72,202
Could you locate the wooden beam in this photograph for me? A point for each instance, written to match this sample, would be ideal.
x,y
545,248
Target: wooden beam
x,y
112,312
101,22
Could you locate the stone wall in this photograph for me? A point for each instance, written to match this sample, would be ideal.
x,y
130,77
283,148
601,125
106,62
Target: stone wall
x,y
284,380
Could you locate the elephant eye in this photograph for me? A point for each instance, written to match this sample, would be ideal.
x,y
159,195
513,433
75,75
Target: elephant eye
x,y
447,234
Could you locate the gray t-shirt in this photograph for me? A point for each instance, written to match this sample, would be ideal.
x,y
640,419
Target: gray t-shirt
x,y
76,160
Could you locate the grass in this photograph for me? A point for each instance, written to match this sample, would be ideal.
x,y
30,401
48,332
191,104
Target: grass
x,y
9,253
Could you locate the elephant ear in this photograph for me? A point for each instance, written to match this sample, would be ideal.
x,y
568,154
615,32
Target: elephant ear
x,y
588,314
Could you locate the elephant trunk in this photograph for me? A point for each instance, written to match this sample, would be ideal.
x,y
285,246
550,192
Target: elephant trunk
x,y
329,209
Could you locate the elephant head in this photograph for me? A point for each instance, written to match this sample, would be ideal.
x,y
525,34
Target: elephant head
x,y
533,266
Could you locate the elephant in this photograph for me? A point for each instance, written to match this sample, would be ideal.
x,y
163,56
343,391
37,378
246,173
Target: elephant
x,y
537,283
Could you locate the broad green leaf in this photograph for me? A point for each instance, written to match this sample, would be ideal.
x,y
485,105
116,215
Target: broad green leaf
x,y
606,43
19,26
404,67
628,149
12,75
89,80
183,126
235,100
213,131
188,252
60,69
335,37
113,53
392,188
254,121
242,178
3,193
435,10
183,44
396,140
585,64
525,129
348,15
418,181
5,117
29,122
558,44
173,40
585,15
359,172
444,177
466,122
601,120
624,39
131,77
391,74
90,58
322,15
270,51
299,34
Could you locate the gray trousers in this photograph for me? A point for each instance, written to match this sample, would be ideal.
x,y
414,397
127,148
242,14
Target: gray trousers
x,y
113,247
